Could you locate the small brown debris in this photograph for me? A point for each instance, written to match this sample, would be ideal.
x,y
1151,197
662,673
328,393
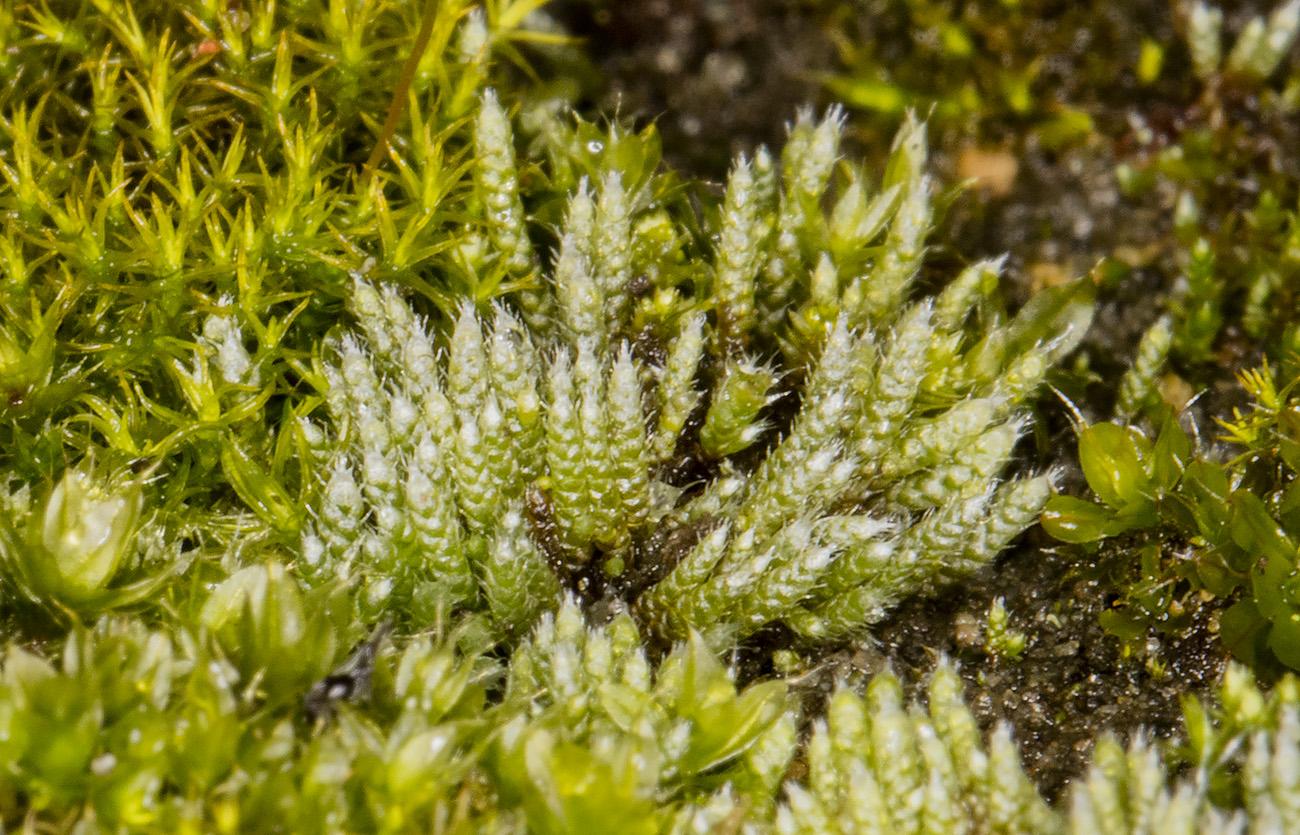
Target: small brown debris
x,y
1044,274
993,169
1175,391
967,631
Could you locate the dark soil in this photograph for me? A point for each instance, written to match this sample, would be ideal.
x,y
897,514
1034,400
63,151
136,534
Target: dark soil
x,y
1072,679
717,76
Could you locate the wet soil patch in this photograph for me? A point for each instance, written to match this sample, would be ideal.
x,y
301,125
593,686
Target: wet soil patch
x,y
1072,681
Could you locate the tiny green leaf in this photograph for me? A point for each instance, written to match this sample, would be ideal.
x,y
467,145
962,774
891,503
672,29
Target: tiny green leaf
x,y
1115,460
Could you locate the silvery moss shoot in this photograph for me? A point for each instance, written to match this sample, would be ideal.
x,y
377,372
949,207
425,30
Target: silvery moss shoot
x,y
576,417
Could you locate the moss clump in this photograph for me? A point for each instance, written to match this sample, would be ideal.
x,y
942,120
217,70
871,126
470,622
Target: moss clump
x,y
575,415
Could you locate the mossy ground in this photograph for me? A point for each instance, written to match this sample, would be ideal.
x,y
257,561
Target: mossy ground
x,y
721,76
1062,118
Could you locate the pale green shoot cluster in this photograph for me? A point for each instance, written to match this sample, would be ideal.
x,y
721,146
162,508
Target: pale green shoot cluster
x,y
1258,50
576,731
507,457
876,766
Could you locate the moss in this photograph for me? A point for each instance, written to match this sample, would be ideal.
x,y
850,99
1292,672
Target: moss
x,y
386,447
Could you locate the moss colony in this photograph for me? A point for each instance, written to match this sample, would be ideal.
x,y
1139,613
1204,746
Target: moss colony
x,y
391,441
